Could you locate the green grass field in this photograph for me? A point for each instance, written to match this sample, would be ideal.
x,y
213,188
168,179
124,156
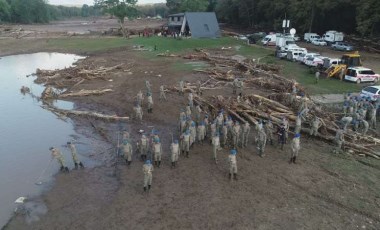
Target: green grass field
x,y
290,69
88,45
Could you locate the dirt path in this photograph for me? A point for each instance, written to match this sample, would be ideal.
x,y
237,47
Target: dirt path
x,y
322,191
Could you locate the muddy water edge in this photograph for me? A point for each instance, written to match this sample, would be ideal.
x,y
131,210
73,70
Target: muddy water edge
x,y
27,131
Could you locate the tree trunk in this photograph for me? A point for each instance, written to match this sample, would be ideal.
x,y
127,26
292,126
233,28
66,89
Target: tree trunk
x,y
121,20
312,16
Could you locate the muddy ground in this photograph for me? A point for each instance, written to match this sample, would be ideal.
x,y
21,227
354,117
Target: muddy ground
x,y
321,191
76,26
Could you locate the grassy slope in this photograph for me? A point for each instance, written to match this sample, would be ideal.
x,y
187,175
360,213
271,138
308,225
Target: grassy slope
x,y
90,45
290,69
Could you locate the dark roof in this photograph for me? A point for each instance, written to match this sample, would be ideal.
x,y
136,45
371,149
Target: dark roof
x,y
176,15
203,24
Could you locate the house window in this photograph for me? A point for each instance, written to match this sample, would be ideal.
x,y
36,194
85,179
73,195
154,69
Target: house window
x,y
206,28
179,19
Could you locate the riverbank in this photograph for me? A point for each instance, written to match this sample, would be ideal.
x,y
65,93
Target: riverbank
x,y
322,191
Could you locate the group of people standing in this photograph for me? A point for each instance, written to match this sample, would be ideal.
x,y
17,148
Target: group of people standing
x,y
196,126
359,114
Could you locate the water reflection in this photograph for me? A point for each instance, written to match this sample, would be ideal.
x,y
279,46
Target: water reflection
x,y
27,130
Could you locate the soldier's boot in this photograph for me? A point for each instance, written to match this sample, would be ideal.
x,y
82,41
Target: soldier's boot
x,y
67,169
271,142
142,157
291,160
187,154
129,162
144,189
126,161
230,176
62,168
294,160
76,165
151,110
81,165
172,165
155,163
148,187
235,176
159,163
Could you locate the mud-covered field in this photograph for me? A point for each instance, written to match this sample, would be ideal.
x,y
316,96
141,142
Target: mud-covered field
x,y
321,191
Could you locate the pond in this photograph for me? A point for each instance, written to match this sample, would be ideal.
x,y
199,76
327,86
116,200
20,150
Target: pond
x,y
27,130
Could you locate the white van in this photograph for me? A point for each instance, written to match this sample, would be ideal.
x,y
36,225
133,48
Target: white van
x,y
282,41
308,37
269,40
292,55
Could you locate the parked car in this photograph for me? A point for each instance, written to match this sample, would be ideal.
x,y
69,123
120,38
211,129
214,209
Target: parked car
x,y
314,61
371,91
308,37
342,46
308,55
319,42
361,74
292,55
269,40
242,37
301,57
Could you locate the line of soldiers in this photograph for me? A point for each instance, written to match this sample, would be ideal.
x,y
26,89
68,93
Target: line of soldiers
x,y
56,154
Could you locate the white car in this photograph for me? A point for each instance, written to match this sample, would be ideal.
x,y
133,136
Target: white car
x,y
314,61
361,74
319,42
371,92
301,57
242,37
309,55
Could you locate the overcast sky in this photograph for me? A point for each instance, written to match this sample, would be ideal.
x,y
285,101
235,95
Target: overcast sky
x,y
90,2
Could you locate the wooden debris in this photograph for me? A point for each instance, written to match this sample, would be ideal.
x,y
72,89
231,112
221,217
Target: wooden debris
x,y
91,114
84,92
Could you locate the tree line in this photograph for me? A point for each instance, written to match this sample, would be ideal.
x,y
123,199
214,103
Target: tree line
x,y
350,16
38,11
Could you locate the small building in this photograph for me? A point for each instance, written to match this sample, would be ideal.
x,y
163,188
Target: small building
x,y
195,24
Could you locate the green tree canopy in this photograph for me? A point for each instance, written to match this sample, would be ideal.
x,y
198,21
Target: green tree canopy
x,y
119,8
177,6
5,11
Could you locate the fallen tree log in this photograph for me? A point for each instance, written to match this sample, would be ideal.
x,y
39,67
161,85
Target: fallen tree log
x,y
84,92
97,115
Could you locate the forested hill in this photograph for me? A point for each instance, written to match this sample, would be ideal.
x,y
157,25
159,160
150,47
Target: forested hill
x,y
350,16
38,11
360,17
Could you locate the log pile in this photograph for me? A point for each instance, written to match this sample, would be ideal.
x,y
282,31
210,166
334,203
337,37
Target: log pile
x,y
255,107
275,106
74,76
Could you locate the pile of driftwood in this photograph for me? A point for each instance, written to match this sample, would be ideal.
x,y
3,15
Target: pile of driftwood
x,y
73,76
274,106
